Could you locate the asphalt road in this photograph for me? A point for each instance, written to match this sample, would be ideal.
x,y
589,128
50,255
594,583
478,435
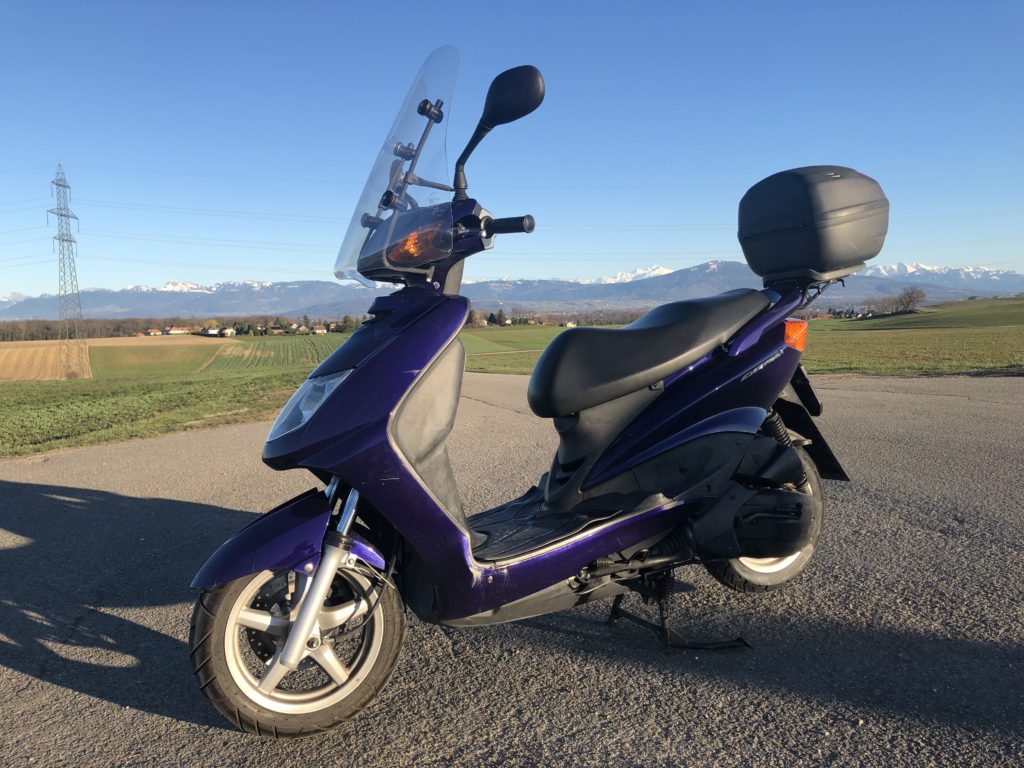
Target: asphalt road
x,y
902,645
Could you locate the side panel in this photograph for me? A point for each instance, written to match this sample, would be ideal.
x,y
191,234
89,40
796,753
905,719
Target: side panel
x,y
425,419
725,394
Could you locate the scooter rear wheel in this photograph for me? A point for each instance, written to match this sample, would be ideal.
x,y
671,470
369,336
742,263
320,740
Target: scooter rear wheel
x,y
763,574
237,628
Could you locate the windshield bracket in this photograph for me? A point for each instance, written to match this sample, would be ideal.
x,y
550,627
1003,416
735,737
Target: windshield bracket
x,y
431,111
412,178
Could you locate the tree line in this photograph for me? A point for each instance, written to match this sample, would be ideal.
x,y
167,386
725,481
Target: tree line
x,y
479,318
905,301
41,330
93,328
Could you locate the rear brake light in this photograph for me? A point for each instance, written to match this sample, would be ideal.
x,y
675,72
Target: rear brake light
x,y
796,334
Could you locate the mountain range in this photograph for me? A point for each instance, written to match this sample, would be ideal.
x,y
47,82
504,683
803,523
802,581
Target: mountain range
x,y
641,288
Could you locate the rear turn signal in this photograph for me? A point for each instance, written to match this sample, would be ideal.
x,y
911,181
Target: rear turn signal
x,y
796,334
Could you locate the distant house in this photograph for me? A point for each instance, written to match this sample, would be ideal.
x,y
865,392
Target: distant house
x,y
177,330
275,330
211,332
569,324
227,332
320,330
153,332
301,329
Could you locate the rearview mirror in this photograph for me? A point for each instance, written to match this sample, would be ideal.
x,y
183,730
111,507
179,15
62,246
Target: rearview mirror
x,y
513,94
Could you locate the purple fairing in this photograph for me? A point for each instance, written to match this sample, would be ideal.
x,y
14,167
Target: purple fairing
x,y
365,458
349,438
288,537
751,333
673,377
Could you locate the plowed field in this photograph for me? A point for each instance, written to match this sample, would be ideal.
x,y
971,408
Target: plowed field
x,y
40,360
29,361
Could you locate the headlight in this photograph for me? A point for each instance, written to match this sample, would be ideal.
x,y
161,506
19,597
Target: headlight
x,y
305,402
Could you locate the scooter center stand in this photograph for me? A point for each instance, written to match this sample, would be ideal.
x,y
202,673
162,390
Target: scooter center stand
x,y
660,589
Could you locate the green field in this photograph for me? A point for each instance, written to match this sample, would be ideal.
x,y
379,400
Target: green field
x,y
140,390
275,352
154,360
512,349
973,337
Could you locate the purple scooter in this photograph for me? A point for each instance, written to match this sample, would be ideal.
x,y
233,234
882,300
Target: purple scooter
x,y
686,437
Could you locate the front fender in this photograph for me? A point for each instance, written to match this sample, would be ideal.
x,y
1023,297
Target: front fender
x,y
289,537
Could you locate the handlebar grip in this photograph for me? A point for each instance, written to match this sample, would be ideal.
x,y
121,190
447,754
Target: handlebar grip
x,y
509,226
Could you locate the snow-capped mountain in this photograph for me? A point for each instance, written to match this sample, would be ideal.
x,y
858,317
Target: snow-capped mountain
x,y
985,278
644,287
14,298
186,287
628,277
174,287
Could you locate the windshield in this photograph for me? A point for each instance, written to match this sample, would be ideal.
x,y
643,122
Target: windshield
x,y
411,172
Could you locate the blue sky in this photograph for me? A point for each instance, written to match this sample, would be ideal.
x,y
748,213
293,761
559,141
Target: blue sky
x,y
229,141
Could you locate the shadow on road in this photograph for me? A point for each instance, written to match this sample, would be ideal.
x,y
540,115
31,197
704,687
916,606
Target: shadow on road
x,y
80,555
876,671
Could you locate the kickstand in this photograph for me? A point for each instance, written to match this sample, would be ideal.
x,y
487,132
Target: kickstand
x,y
668,636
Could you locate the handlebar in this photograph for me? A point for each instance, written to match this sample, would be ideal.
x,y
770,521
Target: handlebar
x,y
509,226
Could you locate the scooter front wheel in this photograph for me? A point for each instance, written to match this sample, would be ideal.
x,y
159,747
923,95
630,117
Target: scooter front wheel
x,y
239,629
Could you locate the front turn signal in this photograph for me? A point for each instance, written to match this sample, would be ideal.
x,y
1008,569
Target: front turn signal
x,y
796,334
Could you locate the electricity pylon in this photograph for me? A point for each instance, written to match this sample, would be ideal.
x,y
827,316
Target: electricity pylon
x,y
74,357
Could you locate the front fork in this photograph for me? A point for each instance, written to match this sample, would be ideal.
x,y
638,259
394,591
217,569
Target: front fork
x,y
304,635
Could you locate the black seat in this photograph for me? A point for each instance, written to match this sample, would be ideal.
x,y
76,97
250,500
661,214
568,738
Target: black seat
x,y
584,367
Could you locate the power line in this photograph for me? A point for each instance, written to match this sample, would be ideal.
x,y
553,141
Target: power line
x,y
27,200
261,245
19,210
217,213
23,170
27,256
19,242
234,177
29,263
308,180
653,226
23,229
210,265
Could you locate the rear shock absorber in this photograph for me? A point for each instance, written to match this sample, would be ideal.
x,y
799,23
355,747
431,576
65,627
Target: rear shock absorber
x,y
773,426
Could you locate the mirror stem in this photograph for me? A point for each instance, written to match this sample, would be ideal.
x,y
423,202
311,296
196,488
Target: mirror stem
x,y
460,165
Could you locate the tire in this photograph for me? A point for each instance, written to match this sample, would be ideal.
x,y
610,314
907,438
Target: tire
x,y
747,574
228,654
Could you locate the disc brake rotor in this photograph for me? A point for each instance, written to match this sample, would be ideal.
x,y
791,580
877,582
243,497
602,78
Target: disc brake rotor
x,y
273,598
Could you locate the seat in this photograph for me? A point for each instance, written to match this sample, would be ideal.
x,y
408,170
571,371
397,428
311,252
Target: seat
x,y
584,367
